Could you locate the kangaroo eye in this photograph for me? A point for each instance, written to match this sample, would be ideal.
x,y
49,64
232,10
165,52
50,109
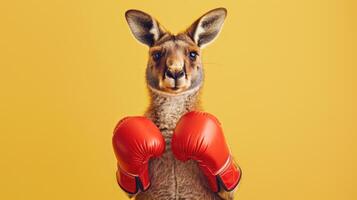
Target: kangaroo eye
x,y
193,55
156,56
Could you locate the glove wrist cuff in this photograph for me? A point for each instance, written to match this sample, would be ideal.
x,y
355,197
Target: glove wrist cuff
x,y
227,177
131,183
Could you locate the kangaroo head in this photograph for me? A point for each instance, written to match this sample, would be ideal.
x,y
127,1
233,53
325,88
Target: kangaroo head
x,y
174,64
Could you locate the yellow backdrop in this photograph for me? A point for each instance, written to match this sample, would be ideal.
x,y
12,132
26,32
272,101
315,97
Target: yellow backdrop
x,y
281,78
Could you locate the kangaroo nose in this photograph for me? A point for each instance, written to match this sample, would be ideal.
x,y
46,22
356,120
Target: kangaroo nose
x,y
175,75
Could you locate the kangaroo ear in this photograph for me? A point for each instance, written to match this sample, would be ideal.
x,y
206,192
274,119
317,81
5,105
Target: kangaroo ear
x,y
206,28
144,27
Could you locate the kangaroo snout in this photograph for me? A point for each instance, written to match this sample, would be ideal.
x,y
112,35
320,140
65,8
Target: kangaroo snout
x,y
176,74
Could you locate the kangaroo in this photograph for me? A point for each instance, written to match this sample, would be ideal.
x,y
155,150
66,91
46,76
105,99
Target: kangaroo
x,y
174,76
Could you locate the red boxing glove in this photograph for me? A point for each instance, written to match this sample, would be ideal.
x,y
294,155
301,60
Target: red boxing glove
x,y
135,141
198,136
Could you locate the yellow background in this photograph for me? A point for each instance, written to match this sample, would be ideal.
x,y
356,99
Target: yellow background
x,y
281,78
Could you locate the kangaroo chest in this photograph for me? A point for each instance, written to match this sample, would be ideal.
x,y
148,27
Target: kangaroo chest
x,y
170,178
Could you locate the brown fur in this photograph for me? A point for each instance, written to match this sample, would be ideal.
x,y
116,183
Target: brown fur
x,y
172,98
170,178
173,50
